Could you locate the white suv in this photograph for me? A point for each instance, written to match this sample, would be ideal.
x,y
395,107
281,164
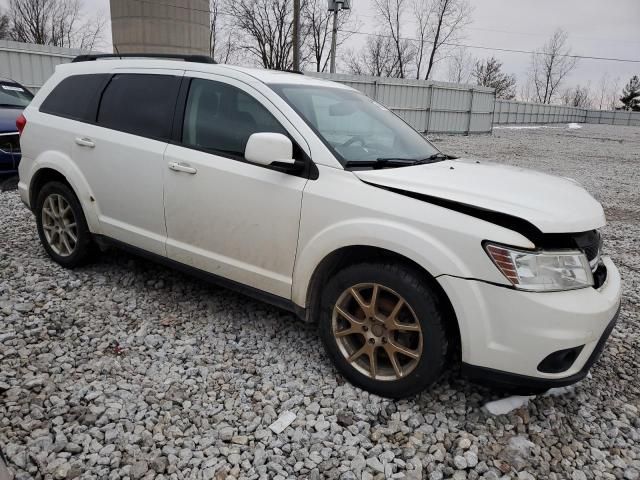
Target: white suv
x,y
311,196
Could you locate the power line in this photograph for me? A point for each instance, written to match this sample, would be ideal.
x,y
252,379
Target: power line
x,y
529,34
498,49
450,44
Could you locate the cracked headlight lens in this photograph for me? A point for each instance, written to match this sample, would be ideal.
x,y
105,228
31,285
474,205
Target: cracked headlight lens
x,y
541,271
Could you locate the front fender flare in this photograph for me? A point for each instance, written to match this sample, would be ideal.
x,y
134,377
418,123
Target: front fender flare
x,y
428,252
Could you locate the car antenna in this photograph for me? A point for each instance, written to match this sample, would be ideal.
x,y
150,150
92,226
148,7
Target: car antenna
x,y
115,47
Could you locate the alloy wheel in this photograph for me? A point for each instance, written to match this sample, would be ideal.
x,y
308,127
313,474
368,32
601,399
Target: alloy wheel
x,y
59,225
377,331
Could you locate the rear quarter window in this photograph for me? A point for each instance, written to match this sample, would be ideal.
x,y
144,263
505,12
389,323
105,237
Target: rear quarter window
x,y
75,97
140,104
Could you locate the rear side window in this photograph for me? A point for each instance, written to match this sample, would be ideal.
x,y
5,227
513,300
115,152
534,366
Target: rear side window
x,y
221,118
75,97
140,104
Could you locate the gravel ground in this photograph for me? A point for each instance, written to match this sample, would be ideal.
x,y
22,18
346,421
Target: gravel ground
x,y
125,369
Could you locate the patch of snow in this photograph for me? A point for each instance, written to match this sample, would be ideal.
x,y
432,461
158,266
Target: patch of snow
x,y
560,391
573,126
506,405
531,127
519,127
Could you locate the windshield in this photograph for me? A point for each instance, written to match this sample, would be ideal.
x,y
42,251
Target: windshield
x,y
13,95
356,128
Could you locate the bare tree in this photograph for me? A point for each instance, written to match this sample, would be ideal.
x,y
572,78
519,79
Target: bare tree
x,y
446,20
577,96
606,98
392,15
54,22
612,101
423,11
377,58
317,25
550,65
266,27
488,73
460,65
223,41
603,86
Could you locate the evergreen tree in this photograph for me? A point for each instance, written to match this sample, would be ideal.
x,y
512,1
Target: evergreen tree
x,y
488,73
631,95
4,26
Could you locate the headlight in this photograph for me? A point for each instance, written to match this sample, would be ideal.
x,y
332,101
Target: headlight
x,y
542,271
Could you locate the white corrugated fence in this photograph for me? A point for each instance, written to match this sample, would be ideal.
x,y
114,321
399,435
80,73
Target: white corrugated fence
x,y
428,106
514,113
31,65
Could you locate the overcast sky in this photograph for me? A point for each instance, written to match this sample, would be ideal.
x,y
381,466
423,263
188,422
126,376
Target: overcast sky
x,y
596,28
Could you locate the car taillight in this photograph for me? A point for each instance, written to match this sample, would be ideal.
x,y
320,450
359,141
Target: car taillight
x,y
21,122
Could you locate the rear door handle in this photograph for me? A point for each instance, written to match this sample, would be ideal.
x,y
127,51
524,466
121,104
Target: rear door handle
x,y
85,142
180,167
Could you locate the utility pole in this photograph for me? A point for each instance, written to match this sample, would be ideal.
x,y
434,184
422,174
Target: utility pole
x,y
296,35
335,6
334,37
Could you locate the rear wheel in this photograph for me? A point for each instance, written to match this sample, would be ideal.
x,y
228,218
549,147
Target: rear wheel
x,y
61,225
383,327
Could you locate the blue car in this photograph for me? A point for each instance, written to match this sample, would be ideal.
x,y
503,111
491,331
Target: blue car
x,y
13,99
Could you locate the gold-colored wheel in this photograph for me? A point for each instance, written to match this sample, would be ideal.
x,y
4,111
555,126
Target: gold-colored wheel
x,y
59,225
377,331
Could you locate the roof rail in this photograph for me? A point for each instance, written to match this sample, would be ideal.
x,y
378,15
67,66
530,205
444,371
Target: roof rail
x,y
171,56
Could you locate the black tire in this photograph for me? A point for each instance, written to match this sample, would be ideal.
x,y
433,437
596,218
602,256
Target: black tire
x,y
412,285
84,246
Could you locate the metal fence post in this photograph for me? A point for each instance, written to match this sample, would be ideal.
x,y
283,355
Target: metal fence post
x,y
429,108
629,119
470,112
493,113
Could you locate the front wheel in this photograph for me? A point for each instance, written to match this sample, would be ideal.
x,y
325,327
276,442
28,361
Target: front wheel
x,y
61,225
383,327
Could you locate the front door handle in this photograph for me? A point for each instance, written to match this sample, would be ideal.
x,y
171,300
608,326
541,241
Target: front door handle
x,y
85,142
180,167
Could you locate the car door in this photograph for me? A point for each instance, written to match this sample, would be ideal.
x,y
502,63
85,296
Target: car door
x,y
225,215
121,155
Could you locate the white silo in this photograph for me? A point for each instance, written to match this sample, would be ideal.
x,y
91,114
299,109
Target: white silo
x,y
160,26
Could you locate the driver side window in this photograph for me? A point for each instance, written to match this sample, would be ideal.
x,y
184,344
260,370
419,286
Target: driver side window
x,y
221,118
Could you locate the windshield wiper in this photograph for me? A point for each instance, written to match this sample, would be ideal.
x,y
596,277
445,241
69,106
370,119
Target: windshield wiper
x,y
11,105
381,162
441,156
390,162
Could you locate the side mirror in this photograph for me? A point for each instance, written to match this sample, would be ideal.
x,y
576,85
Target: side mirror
x,y
269,148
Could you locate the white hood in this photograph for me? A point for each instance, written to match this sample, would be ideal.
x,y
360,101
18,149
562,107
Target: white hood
x,y
553,204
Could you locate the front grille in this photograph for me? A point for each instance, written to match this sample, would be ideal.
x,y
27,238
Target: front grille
x,y
588,242
10,143
591,244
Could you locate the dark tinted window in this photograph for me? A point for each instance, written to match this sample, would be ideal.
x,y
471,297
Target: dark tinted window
x,y
140,104
222,118
75,97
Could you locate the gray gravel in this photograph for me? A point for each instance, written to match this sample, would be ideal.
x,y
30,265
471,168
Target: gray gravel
x,y
125,369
